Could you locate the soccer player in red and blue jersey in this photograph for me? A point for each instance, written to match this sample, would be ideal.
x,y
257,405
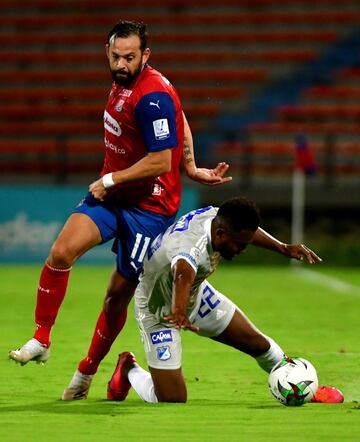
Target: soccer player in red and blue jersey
x,y
135,199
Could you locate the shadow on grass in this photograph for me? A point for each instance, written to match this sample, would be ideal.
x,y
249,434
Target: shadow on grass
x,y
100,407
108,408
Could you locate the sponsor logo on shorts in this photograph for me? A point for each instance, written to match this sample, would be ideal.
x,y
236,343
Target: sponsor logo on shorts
x,y
163,353
161,336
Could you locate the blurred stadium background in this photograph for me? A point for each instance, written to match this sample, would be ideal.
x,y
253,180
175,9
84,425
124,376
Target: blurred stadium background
x,y
257,79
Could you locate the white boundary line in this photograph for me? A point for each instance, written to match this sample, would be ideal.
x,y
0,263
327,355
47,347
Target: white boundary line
x,y
328,281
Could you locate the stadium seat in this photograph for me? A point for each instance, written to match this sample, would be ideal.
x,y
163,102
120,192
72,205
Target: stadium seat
x,y
218,54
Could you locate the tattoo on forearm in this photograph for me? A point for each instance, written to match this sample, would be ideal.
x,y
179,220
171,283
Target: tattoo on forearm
x,y
188,157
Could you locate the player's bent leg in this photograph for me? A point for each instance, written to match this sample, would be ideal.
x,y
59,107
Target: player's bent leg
x,y
157,386
79,234
119,293
111,321
242,334
169,385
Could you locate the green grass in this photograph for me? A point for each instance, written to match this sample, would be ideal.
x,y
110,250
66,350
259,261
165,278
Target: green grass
x,y
228,398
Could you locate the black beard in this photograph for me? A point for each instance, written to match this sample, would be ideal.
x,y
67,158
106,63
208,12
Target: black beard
x,y
123,80
126,79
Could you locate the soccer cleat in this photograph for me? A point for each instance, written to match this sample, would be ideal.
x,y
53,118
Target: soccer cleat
x,y
33,350
119,385
328,395
78,388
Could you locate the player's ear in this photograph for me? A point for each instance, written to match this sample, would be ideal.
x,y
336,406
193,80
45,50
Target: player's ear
x,y
221,232
107,49
145,55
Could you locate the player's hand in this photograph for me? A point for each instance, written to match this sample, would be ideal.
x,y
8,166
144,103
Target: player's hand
x,y
210,177
300,251
98,190
181,321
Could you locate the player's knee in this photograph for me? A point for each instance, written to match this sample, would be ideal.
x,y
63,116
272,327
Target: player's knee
x,y
60,256
114,305
117,299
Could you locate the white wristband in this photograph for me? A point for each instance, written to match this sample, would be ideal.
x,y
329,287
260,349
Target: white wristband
x,y
108,180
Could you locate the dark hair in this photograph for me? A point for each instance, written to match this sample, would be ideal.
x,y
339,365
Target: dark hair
x,y
238,214
125,28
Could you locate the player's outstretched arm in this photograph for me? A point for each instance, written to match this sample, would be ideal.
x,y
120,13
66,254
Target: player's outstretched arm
x,y
294,251
184,276
210,177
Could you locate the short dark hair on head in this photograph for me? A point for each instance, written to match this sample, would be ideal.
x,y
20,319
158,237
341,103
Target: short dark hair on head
x,y
125,28
239,213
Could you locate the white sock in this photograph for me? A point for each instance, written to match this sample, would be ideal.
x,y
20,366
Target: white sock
x,y
142,383
271,357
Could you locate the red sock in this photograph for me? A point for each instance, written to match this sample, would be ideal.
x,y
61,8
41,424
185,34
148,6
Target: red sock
x,y
107,329
51,292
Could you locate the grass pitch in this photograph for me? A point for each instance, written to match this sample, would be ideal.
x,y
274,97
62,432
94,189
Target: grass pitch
x,y
314,315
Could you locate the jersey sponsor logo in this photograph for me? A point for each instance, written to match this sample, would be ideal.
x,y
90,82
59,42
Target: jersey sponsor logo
x,y
161,336
163,353
111,146
111,124
161,129
155,104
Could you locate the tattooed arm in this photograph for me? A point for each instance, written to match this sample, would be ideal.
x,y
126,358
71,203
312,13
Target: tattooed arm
x,y
202,175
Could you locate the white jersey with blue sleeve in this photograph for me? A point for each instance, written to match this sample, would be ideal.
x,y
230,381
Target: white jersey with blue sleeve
x,y
189,239
208,309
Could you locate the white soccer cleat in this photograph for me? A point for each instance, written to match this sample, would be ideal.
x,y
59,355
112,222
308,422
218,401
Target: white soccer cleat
x,y
78,388
33,350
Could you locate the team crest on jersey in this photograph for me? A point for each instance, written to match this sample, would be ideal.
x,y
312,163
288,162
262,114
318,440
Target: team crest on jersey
x,y
120,105
163,353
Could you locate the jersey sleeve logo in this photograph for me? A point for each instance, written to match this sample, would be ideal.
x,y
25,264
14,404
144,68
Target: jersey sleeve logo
x,y
161,129
155,104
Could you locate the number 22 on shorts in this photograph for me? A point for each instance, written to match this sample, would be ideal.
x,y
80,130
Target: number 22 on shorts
x,y
207,303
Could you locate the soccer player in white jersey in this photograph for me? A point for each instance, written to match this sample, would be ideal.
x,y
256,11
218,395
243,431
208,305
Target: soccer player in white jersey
x,y
174,294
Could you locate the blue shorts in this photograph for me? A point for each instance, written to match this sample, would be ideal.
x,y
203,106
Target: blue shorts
x,y
132,228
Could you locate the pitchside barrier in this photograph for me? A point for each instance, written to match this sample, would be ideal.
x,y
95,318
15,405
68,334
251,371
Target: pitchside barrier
x,y
32,216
